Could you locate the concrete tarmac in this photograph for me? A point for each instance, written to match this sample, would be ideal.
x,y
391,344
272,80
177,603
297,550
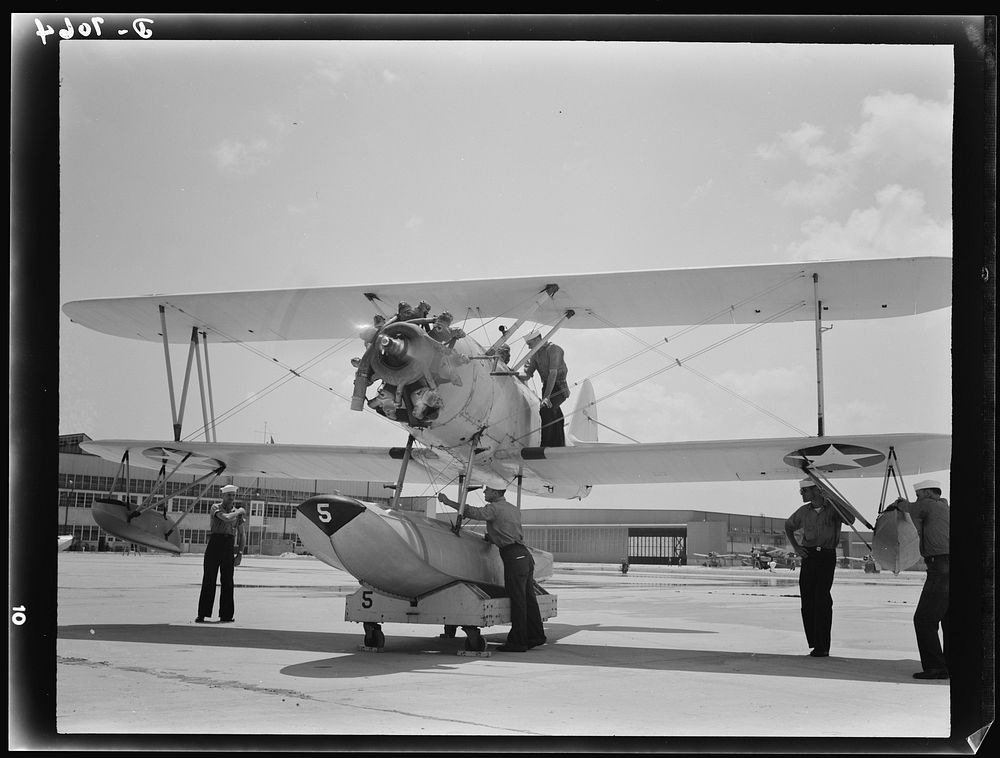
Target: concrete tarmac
x,y
662,652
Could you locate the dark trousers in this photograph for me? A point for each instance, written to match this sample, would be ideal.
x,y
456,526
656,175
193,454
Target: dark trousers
x,y
932,612
219,557
519,580
815,581
553,431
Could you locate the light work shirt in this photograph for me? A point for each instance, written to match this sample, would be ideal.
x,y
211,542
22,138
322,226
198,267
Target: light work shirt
x,y
550,362
930,514
819,528
218,525
503,522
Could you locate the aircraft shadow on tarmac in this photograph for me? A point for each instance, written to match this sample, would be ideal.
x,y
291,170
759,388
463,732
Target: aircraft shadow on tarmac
x,y
424,653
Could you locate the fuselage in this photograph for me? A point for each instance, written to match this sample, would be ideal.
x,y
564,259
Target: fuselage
x,y
454,398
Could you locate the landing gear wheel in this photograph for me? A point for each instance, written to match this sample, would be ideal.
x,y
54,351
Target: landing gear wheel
x,y
373,635
474,641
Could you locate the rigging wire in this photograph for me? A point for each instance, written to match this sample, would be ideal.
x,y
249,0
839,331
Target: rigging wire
x,y
681,361
298,372
290,374
702,351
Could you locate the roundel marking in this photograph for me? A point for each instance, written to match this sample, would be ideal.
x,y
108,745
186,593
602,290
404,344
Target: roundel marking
x,y
835,457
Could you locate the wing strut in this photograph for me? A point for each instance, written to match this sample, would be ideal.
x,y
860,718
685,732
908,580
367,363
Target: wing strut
x,y
204,381
146,524
543,341
170,375
549,292
407,454
892,463
463,482
820,411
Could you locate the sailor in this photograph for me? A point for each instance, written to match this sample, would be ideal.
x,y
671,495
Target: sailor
x,y
820,523
550,364
503,529
442,330
930,515
220,556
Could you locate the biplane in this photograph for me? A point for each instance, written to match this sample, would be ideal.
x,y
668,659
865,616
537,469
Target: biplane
x,y
713,559
466,416
764,556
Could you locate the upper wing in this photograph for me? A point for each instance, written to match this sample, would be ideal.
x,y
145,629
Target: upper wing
x,y
862,289
735,460
338,463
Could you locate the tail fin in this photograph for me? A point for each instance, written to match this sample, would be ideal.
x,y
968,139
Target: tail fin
x,y
583,424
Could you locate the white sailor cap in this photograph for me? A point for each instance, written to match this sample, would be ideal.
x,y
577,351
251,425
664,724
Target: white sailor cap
x,y
927,484
230,488
533,334
803,483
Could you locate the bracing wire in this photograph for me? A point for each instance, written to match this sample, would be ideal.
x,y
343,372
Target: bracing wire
x,y
680,362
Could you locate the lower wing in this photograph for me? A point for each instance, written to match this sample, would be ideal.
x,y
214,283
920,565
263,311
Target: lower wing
x,y
736,460
582,465
338,463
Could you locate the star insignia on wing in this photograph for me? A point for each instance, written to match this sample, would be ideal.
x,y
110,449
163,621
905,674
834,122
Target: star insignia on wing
x,y
833,458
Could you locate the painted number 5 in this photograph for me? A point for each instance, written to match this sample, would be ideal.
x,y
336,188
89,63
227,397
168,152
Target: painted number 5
x,y
366,599
323,514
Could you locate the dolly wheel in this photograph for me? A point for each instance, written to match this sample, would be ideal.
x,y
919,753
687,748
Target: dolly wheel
x,y
474,641
373,635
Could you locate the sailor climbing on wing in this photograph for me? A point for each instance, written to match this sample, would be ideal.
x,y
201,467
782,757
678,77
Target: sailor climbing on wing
x,y
550,364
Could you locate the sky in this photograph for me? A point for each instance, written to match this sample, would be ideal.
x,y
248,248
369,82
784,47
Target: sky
x,y
193,166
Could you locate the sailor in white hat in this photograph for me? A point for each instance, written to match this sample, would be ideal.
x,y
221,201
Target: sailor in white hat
x,y
550,363
927,484
930,514
225,527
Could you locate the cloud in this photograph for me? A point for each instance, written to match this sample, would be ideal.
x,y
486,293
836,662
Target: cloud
x,y
904,127
702,190
897,131
771,382
243,157
896,225
658,416
301,209
389,77
332,74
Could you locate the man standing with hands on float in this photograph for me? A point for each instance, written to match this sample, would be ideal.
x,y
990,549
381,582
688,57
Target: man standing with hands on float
x,y
503,529
930,514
